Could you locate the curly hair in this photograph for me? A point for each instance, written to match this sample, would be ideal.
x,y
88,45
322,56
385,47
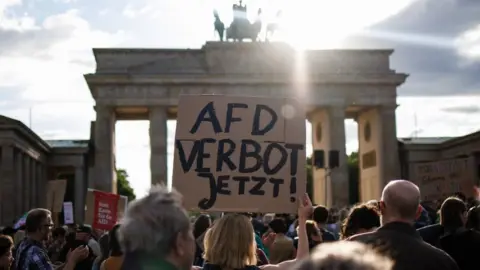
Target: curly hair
x,y
361,217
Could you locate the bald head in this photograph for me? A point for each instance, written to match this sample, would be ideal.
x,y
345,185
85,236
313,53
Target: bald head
x,y
401,199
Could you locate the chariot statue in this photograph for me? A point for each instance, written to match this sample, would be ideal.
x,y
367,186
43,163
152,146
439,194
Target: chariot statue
x,y
240,28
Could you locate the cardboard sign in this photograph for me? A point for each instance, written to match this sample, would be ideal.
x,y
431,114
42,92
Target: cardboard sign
x,y
240,154
68,213
441,179
92,204
55,195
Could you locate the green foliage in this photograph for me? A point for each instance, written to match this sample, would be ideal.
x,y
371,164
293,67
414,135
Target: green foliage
x,y
353,177
123,185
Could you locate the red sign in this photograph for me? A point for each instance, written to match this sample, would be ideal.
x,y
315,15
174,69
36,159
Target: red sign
x,y
105,210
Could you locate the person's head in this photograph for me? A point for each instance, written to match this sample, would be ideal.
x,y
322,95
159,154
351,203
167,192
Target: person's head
x,y
460,196
473,218
362,218
313,232
278,226
157,225
400,202
39,224
59,235
72,228
345,255
453,213
230,242
373,203
10,231
113,244
202,223
6,256
84,233
320,215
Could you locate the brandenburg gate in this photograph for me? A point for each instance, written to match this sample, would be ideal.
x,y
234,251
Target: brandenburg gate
x,y
140,84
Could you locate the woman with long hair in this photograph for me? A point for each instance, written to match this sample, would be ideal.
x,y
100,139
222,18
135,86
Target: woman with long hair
x,y
230,243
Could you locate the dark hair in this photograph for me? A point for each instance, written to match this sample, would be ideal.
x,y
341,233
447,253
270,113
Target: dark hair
x,y
9,231
460,196
6,244
114,245
451,213
59,232
320,214
36,219
202,223
363,216
473,218
278,225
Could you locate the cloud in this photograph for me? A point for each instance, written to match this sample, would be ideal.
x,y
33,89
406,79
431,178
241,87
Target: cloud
x,y
41,75
467,109
468,43
436,41
131,11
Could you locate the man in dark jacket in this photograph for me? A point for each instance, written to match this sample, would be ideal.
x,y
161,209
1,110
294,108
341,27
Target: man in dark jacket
x,y
320,216
397,236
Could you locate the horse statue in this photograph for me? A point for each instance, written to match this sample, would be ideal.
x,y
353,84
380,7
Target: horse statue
x,y
219,25
273,27
241,28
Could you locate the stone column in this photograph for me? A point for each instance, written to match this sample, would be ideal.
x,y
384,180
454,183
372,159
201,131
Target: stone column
x,y
33,184
79,198
20,179
105,177
158,145
378,150
328,132
26,182
389,144
7,182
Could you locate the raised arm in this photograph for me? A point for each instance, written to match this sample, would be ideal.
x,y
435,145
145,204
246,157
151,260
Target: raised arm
x,y
305,209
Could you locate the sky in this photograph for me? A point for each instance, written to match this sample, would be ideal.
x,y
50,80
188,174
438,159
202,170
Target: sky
x,y
46,47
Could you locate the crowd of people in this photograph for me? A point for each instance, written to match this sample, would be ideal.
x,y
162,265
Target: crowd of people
x,y
396,232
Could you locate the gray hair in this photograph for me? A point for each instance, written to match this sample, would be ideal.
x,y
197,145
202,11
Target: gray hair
x,y
345,255
152,224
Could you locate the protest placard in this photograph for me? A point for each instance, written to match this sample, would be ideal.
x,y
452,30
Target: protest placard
x,y
439,179
102,209
55,195
68,213
240,154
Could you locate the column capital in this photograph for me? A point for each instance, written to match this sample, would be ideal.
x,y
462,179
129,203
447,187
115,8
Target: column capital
x,y
157,110
104,109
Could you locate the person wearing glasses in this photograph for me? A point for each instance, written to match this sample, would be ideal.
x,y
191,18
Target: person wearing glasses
x,y
31,253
